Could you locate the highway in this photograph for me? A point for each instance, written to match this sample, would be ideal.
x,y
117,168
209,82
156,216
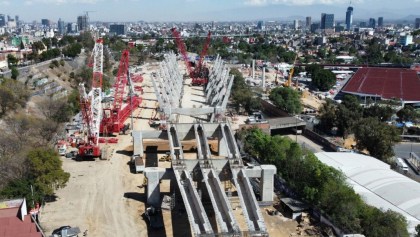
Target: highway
x,y
403,149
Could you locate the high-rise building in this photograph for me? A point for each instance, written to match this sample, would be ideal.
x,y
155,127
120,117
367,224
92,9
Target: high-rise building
x,y
314,27
363,24
261,25
349,17
17,21
327,21
45,22
380,22
296,24
82,22
61,27
118,29
417,23
308,22
2,20
372,23
9,18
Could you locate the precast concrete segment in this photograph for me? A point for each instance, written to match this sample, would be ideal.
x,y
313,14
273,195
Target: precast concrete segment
x,y
224,148
199,221
174,143
200,154
203,141
224,101
137,143
252,211
153,174
230,139
220,202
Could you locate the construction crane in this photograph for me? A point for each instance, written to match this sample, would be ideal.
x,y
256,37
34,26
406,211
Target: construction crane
x,y
199,75
114,117
91,106
291,71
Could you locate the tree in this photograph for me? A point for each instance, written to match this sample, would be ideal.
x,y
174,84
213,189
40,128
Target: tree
x,y
45,167
418,230
7,101
376,137
12,61
328,115
286,99
408,113
382,113
323,79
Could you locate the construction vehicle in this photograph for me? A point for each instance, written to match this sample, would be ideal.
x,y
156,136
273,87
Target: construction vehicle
x,y
288,83
114,117
199,76
91,108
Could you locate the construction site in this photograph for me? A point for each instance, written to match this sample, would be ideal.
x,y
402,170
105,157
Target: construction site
x,y
158,157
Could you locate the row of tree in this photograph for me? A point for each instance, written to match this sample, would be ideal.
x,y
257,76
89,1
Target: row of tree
x,y
367,124
322,186
242,96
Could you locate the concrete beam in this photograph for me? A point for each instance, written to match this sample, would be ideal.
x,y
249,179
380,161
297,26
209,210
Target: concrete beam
x,y
267,183
137,143
220,203
153,174
197,216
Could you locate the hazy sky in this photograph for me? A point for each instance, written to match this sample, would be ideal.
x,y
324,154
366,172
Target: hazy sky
x,y
196,10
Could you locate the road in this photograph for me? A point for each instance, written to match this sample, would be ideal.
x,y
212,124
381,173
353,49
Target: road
x,y
306,143
403,149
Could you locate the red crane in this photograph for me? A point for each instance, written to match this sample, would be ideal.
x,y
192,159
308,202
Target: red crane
x,y
91,106
114,118
199,75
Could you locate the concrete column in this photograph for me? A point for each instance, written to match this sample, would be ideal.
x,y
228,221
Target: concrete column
x,y
267,182
263,77
253,69
153,174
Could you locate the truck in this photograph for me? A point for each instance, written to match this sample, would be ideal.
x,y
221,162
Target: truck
x,y
62,147
401,165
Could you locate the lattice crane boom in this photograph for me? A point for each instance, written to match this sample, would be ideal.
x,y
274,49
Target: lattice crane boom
x,y
181,46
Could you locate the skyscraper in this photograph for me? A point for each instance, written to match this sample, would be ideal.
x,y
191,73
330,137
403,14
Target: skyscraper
x,y
261,25
380,22
308,22
2,20
296,24
82,22
61,27
327,21
417,23
372,23
45,22
349,17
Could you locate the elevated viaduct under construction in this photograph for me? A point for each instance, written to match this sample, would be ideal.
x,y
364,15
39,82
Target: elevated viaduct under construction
x,y
207,171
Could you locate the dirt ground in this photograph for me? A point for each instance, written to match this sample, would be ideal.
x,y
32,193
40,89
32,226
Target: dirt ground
x,y
105,198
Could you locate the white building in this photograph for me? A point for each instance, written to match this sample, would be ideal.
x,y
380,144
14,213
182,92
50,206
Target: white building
x,y
377,184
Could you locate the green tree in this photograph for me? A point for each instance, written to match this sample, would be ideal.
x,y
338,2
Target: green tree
x,y
45,169
408,113
12,61
286,99
382,113
327,115
19,188
377,138
418,226
15,73
323,79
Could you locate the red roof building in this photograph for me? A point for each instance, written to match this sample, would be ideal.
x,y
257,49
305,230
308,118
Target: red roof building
x,y
15,221
386,83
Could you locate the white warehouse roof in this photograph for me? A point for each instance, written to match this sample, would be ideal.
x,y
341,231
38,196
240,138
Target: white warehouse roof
x,y
377,184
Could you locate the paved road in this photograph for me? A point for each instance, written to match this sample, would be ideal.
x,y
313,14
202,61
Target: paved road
x,y
306,143
403,149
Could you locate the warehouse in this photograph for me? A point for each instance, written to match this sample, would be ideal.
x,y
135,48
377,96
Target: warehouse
x,y
377,184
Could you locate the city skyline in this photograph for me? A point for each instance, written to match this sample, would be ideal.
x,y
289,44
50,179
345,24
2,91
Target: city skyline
x,y
203,10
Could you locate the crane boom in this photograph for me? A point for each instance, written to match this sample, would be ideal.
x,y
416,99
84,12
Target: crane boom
x,y
183,51
96,95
